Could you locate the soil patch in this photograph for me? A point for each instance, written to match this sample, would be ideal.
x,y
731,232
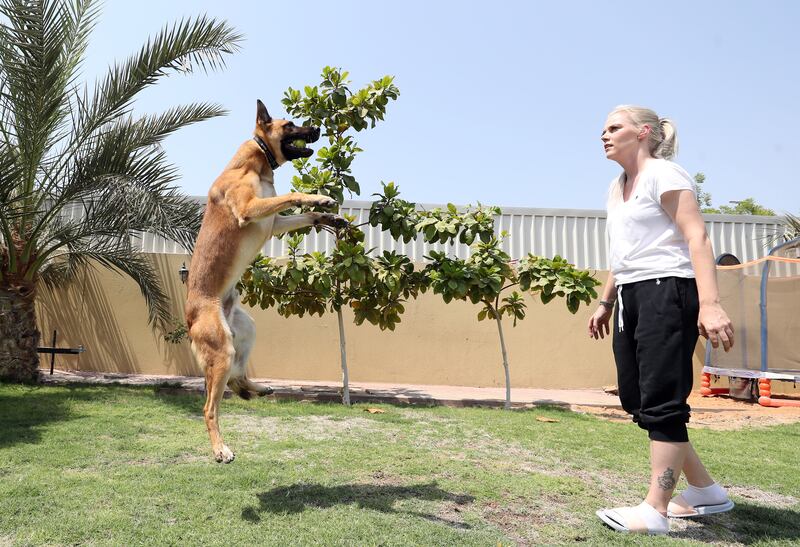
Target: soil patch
x,y
722,413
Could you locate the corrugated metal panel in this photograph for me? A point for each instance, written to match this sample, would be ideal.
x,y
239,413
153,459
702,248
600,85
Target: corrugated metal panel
x,y
576,234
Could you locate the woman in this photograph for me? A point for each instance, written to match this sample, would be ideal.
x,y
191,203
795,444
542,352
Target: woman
x,y
663,280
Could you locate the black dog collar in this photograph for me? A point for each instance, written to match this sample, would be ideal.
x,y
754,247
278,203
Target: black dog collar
x,y
264,148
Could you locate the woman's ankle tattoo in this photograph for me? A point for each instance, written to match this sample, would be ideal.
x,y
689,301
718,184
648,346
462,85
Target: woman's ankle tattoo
x,y
666,480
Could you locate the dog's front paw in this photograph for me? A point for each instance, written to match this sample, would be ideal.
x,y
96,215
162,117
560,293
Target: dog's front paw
x,y
334,221
224,455
326,202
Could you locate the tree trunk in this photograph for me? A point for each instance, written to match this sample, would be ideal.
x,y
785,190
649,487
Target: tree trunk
x,y
505,360
343,350
19,336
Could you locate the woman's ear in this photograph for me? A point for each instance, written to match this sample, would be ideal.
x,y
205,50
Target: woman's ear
x,y
643,132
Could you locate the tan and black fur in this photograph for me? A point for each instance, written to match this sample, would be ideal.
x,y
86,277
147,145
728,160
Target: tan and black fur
x,y
240,215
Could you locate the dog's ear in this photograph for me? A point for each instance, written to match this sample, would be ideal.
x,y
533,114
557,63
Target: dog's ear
x,y
262,116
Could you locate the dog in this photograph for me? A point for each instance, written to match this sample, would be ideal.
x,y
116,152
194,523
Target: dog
x,y
240,216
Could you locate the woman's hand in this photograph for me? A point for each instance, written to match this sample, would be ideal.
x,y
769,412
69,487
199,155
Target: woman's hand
x,y
598,323
713,323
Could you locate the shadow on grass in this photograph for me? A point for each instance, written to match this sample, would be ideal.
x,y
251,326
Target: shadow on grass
x,y
24,410
298,497
748,524
189,402
186,399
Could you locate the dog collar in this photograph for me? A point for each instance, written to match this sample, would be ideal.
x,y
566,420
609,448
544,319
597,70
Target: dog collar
x,y
264,148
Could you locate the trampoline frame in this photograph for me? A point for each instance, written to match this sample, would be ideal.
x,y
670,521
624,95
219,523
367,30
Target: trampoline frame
x,y
764,375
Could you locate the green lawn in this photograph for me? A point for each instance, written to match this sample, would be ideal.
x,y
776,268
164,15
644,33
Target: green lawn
x,y
125,466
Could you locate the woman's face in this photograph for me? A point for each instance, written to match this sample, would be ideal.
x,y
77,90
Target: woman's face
x,y
621,137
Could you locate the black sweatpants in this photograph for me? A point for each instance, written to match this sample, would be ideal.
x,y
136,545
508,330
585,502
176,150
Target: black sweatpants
x,y
653,353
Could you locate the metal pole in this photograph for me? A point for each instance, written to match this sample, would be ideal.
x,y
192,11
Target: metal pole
x,y
53,355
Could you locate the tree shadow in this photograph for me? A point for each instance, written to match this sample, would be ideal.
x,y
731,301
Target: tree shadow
x,y
747,523
297,498
190,402
93,312
25,411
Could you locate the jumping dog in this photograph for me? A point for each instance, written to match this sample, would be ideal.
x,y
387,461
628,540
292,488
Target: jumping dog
x,y
240,216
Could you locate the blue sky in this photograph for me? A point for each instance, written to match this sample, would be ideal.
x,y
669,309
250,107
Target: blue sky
x,y
500,102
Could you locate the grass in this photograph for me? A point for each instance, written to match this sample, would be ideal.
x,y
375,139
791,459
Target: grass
x,y
124,466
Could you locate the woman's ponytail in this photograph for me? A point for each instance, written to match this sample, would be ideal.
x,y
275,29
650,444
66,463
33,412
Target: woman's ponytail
x,y
668,147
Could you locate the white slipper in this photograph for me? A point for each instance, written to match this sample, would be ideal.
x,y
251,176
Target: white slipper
x,y
701,501
676,510
642,519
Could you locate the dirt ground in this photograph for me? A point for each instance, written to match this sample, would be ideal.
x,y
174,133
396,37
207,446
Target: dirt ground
x,y
719,412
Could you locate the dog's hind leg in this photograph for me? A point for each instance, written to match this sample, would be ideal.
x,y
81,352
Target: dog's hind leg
x,y
213,348
244,336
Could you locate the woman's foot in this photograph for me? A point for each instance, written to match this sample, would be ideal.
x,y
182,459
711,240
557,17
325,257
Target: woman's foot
x,y
695,501
642,519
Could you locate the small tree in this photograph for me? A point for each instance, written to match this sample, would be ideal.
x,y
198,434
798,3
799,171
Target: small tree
x,y
488,272
481,279
375,288
317,282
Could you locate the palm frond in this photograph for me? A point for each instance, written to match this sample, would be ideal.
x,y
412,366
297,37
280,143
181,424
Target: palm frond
x,y
62,269
113,253
151,130
200,42
137,266
132,208
115,156
791,225
787,230
42,44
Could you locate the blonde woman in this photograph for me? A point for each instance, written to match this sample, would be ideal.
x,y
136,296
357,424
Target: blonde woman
x,y
663,281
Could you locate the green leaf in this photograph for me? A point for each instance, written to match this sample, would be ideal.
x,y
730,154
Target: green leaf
x,y
546,298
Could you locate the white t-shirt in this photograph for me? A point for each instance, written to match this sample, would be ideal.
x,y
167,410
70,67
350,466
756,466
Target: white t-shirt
x,y
645,242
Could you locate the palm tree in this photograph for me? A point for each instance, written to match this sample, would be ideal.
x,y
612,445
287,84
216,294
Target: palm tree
x,y
787,229
791,226
65,145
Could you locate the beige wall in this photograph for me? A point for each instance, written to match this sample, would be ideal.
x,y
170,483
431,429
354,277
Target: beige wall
x,y
435,343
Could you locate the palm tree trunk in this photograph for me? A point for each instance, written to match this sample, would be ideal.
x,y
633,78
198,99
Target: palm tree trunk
x,y
505,360
19,336
343,350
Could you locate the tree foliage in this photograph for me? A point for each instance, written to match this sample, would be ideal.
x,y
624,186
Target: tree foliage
x,y
747,206
332,106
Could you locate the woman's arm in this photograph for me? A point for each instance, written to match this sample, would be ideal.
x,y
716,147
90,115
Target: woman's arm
x,y
598,322
712,321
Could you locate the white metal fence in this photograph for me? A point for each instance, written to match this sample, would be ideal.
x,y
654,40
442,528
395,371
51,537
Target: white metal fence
x,y
579,235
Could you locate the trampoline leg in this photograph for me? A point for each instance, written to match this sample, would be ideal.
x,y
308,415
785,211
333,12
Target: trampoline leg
x,y
765,396
764,392
705,385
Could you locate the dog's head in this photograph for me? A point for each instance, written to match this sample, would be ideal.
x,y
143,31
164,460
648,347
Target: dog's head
x,y
282,136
